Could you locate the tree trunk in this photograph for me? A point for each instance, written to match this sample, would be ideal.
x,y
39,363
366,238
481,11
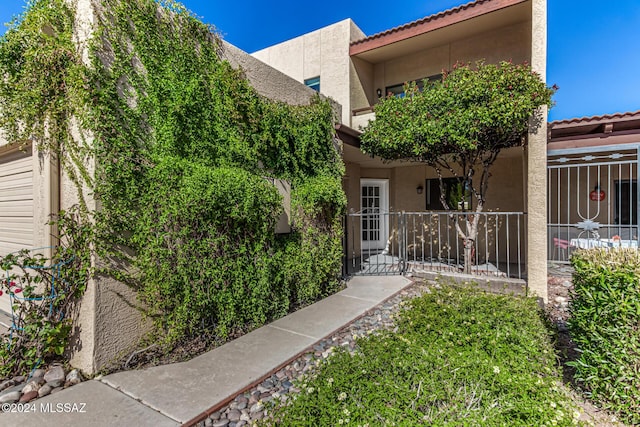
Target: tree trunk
x,y
469,237
468,255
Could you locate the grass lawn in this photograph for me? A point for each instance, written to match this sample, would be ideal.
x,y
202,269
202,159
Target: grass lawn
x,y
459,357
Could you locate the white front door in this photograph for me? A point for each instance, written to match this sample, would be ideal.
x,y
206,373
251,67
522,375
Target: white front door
x,y
374,206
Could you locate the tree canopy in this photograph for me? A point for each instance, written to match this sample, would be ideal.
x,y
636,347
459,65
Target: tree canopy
x,y
474,111
459,125
460,122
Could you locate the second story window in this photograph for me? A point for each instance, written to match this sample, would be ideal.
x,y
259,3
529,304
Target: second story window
x,y
313,83
398,90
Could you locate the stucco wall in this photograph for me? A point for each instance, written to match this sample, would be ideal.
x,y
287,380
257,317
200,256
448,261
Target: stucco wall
x,y
508,43
99,315
110,322
361,121
362,78
267,80
353,82
506,185
324,53
271,82
537,164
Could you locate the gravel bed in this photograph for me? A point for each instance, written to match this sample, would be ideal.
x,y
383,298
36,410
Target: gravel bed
x,y
251,405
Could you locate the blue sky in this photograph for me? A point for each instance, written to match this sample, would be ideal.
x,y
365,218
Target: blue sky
x,y
593,52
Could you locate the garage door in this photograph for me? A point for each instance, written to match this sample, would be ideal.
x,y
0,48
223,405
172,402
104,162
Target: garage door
x,y
16,206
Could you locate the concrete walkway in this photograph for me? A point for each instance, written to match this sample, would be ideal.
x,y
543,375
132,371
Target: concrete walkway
x,y
175,394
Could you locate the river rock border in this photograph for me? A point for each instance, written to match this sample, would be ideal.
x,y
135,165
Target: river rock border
x,y
250,406
40,383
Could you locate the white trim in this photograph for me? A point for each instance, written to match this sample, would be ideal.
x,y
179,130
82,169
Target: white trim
x,y
383,184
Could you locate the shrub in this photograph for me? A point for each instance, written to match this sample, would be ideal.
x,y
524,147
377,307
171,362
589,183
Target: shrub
x,y
318,200
605,325
207,255
309,262
44,294
458,357
312,254
203,244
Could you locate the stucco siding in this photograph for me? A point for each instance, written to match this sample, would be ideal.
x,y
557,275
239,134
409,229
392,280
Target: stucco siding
x,y
503,44
362,80
335,72
423,64
267,80
312,61
324,53
537,164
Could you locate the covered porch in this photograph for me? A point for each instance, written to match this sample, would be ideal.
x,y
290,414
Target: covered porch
x,y
396,223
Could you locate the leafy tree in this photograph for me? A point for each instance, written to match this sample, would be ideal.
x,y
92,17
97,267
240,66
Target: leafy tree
x,y
459,126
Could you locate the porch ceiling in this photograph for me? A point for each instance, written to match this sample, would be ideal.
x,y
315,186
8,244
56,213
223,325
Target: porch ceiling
x,y
352,154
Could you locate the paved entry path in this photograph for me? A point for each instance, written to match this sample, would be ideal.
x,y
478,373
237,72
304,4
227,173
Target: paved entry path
x,y
175,394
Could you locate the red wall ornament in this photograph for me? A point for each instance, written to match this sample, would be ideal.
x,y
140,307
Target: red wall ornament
x,y
597,195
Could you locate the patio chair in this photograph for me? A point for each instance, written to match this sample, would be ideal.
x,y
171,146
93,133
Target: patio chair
x,y
560,245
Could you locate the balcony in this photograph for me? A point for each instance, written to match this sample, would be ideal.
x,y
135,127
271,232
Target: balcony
x,y
361,117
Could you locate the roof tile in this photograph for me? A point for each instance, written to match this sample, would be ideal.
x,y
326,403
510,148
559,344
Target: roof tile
x,y
593,119
438,15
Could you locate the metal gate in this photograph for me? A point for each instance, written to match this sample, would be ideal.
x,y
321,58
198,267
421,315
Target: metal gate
x,y
593,197
360,257
428,241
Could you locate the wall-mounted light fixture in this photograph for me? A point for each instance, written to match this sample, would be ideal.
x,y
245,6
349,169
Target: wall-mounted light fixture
x,y
597,195
379,92
419,189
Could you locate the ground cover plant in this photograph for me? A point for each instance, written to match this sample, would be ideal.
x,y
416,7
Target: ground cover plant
x,y
604,323
458,357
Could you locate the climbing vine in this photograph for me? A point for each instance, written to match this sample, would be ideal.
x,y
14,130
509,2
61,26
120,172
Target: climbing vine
x,y
173,144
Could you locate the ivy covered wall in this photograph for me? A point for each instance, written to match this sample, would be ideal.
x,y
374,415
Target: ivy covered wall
x,y
172,144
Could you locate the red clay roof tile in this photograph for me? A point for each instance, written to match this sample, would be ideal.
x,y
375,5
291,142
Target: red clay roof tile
x,y
593,119
434,17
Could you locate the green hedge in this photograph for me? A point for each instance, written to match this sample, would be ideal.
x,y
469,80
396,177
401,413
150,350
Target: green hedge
x,y
317,207
208,256
605,325
203,248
